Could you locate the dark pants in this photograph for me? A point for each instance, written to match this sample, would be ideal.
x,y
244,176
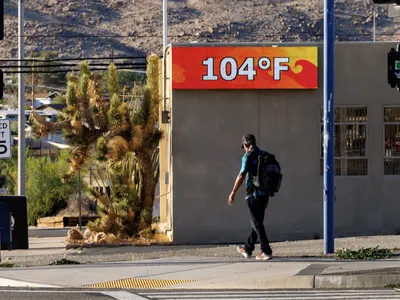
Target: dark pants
x,y
257,207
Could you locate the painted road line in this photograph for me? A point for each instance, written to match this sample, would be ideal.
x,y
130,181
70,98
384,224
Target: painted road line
x,y
277,295
6,282
121,295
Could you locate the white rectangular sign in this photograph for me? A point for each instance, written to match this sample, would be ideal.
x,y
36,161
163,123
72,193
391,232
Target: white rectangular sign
x,y
393,10
5,139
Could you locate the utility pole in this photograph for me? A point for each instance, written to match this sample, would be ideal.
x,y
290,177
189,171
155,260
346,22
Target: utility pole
x,y
329,140
165,25
21,102
374,12
33,86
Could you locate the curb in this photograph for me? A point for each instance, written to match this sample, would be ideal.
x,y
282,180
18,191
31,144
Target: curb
x,y
302,282
6,282
293,282
354,281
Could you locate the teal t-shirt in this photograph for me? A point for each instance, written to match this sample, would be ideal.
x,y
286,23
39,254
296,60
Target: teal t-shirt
x,y
249,167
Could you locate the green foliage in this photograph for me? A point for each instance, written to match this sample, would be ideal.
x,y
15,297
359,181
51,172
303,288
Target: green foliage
x,y
125,78
60,99
119,207
46,191
8,171
6,265
364,254
48,79
64,261
122,135
392,286
14,126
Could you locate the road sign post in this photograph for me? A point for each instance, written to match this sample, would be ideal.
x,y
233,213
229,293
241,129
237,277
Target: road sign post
x,y
5,139
329,141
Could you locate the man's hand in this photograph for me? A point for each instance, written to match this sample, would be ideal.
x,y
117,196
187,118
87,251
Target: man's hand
x,y
231,199
238,183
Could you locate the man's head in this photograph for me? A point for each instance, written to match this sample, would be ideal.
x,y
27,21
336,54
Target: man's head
x,y
248,142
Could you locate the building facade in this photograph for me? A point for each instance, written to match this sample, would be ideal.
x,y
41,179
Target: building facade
x,y
201,154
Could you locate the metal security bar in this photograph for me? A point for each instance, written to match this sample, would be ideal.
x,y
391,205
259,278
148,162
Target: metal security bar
x,y
350,141
391,127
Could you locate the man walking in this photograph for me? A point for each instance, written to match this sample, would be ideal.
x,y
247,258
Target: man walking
x,y
257,200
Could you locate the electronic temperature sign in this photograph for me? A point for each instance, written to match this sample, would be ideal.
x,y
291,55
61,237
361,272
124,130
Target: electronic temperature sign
x,y
244,67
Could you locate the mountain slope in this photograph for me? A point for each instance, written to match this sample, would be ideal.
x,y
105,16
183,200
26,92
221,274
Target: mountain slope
x,y
89,28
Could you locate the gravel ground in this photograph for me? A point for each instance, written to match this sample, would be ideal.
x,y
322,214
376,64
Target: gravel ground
x,y
310,248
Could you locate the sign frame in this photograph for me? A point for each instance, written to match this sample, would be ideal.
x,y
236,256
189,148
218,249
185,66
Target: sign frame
x,y
245,67
5,139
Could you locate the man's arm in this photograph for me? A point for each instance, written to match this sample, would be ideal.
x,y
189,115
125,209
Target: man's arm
x,y
238,183
239,180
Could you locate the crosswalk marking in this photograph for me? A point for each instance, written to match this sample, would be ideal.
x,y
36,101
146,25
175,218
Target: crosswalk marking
x,y
276,295
121,295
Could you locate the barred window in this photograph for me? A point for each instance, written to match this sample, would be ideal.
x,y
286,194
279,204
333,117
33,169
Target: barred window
x,y
391,160
350,141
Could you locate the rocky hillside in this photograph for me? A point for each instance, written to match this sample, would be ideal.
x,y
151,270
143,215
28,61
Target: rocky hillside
x,y
77,28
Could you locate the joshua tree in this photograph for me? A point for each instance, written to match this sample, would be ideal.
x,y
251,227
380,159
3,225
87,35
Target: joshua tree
x,y
122,136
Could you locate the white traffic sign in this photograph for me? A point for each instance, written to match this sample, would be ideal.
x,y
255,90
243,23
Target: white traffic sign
x,y
393,10
5,139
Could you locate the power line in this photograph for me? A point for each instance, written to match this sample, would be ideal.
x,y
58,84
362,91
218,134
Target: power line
x,y
77,58
137,68
38,85
68,65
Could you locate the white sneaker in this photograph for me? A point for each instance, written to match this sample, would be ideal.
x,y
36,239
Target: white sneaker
x,y
263,256
242,251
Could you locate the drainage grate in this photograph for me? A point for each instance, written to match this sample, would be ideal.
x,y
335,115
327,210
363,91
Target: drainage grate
x,y
138,283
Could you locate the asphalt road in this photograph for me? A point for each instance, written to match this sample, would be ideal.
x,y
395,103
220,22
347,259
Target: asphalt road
x,y
32,294
52,295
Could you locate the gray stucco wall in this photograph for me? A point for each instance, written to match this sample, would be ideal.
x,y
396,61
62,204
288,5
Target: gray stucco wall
x,y
207,128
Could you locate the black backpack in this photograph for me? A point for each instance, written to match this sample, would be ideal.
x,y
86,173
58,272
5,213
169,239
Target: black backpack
x,y
269,176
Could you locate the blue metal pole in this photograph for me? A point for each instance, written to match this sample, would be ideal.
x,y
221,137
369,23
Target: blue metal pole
x,y
329,141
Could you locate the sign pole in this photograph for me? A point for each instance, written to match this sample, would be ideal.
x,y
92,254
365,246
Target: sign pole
x,y
21,102
165,25
328,140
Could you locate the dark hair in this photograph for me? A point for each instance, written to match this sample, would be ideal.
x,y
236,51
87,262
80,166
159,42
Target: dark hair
x,y
249,140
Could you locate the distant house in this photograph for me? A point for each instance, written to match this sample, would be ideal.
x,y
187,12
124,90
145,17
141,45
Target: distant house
x,y
12,114
49,98
51,107
42,99
49,112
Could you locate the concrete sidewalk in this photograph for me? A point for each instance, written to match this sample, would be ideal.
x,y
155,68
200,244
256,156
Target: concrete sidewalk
x,y
198,267
207,273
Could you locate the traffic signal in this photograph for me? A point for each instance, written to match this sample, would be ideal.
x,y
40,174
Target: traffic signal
x,y
394,67
386,1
